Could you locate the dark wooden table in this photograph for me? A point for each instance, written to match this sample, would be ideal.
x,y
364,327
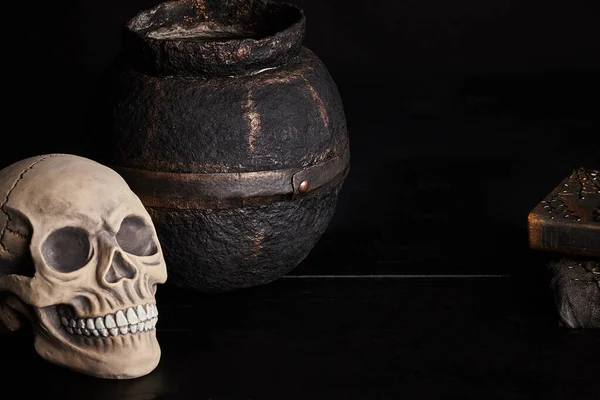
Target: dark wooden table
x,y
345,338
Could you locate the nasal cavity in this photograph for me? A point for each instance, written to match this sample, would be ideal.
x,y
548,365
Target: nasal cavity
x,y
119,269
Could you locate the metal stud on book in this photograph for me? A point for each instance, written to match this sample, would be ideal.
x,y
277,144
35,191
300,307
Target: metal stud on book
x,y
567,222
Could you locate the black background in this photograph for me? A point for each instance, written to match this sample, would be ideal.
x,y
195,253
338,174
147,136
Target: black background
x,y
462,116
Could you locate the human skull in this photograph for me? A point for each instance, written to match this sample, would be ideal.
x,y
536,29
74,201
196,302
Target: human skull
x,y
80,258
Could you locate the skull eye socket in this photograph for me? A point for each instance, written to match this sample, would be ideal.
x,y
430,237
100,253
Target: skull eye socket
x,y
136,237
67,249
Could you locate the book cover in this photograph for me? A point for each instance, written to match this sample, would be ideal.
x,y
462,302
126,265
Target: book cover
x,y
568,219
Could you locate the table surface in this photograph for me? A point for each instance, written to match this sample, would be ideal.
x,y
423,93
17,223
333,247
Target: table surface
x,y
346,338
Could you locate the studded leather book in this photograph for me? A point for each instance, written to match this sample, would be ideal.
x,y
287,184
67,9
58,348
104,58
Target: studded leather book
x,y
568,219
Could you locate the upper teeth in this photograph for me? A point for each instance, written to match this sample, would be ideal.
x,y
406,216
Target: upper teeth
x,y
131,320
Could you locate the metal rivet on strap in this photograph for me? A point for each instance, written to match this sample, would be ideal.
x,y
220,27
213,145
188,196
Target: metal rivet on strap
x,y
304,186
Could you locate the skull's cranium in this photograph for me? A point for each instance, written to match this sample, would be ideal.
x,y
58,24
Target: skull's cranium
x,y
80,258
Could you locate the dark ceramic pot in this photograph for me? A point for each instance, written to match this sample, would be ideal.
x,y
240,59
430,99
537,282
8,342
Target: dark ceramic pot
x,y
232,134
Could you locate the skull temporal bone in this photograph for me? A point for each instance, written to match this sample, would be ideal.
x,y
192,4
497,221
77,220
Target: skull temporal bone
x,y
96,263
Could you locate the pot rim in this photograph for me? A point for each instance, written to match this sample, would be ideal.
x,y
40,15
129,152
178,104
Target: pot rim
x,y
161,39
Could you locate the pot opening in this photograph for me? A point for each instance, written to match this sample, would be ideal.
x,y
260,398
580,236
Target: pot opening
x,y
209,32
215,21
212,38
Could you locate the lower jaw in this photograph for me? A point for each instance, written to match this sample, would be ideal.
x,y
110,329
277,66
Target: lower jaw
x,y
125,356
120,357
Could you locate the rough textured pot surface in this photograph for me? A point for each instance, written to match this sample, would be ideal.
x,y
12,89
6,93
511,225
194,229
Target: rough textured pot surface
x,y
233,135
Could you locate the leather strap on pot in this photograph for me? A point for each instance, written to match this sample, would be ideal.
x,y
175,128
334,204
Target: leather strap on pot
x,y
222,190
